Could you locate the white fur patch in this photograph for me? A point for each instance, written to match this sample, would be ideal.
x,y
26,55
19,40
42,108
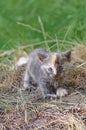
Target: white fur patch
x,y
22,61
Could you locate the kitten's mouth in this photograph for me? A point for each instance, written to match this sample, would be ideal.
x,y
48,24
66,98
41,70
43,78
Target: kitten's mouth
x,y
51,75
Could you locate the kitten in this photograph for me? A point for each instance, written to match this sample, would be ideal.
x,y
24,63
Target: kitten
x,y
42,68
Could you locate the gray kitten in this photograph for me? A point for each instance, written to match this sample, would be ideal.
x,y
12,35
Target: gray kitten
x,y
41,70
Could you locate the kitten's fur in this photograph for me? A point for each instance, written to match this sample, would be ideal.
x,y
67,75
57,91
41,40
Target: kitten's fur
x,y
42,67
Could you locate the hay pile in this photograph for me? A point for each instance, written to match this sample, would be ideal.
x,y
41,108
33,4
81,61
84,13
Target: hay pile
x,y
49,118
20,111
75,72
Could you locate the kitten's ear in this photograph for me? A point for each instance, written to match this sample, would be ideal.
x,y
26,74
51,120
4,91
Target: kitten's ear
x,y
66,56
42,57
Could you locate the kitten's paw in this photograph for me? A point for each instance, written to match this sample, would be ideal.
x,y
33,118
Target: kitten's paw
x,y
50,96
29,89
61,92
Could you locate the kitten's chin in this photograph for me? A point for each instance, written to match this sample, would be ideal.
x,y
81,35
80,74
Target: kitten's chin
x,y
51,76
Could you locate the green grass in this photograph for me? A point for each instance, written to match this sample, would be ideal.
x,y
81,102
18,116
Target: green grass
x,y
30,22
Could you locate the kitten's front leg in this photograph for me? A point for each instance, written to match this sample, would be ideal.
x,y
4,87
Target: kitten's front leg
x,y
27,83
45,90
60,92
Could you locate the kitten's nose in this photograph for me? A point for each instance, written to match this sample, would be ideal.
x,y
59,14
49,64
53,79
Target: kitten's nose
x,y
50,69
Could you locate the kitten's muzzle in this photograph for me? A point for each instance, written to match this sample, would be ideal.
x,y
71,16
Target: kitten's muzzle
x,y
51,72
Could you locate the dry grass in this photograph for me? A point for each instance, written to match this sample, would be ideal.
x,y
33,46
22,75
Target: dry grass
x,y
23,111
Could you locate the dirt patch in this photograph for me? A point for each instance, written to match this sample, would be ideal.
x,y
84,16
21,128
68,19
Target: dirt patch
x,y
46,119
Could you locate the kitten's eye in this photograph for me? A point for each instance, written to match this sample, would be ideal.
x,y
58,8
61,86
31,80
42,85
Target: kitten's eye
x,y
50,69
60,69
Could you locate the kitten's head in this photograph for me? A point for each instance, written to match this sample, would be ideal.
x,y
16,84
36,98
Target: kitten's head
x,y
51,63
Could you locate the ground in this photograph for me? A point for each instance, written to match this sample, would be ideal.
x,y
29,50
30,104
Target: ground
x,y
24,111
